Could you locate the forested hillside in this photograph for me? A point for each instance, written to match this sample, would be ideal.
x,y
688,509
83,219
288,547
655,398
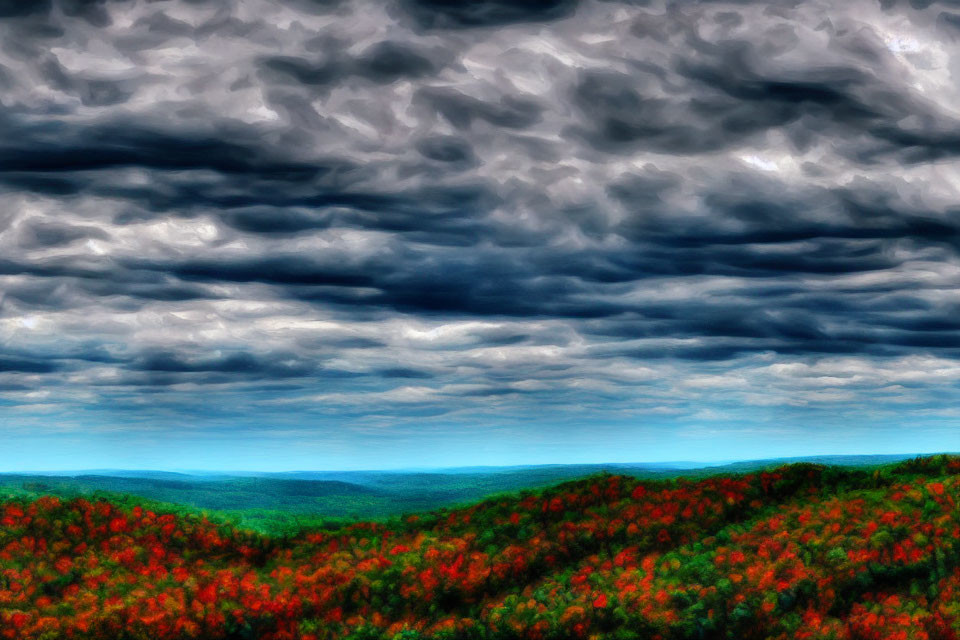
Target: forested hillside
x,y
277,503
802,551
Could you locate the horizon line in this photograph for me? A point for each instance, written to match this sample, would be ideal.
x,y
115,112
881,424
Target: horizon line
x,y
687,465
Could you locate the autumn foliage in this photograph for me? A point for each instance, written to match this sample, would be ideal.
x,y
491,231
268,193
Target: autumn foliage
x,y
802,551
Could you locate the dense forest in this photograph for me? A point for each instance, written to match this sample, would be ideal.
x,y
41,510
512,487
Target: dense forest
x,y
800,551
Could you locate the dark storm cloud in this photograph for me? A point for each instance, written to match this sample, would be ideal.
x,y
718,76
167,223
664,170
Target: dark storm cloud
x,y
390,61
383,62
447,149
506,202
241,363
512,112
303,71
486,285
39,360
485,13
14,9
52,234
113,290
433,215
60,148
400,372
27,365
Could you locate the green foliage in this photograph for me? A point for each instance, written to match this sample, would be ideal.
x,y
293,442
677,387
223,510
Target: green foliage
x,y
851,553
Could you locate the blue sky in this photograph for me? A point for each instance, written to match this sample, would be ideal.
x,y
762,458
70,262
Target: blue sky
x,y
286,443
299,235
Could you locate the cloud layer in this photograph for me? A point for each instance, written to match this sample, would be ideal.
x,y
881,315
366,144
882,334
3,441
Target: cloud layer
x,y
329,217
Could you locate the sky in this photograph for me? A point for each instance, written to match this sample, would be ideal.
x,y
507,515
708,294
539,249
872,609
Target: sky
x,y
321,234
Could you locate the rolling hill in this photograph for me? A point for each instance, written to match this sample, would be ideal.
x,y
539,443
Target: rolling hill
x,y
277,502
799,551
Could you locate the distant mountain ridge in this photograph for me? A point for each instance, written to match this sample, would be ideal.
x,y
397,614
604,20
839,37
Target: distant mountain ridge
x,y
263,496
672,465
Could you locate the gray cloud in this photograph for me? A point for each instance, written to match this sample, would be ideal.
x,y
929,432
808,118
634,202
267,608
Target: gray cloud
x,y
466,209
